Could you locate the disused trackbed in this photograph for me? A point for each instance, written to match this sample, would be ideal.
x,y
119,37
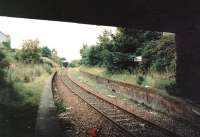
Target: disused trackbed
x,y
131,124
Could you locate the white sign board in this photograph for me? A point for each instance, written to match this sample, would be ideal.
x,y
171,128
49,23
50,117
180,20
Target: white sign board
x,y
138,59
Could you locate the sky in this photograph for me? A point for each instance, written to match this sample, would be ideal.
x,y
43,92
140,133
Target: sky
x,y
66,38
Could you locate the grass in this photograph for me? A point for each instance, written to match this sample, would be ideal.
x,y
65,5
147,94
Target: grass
x,y
151,79
98,87
164,82
63,114
102,89
19,99
59,105
26,72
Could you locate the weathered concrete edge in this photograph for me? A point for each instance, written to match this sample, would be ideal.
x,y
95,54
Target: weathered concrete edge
x,y
52,79
173,107
40,127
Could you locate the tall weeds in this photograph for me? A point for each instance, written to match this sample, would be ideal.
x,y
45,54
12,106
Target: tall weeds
x,y
152,78
26,72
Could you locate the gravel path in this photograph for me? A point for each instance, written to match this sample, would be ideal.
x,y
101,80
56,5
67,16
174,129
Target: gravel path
x,y
47,124
180,126
84,117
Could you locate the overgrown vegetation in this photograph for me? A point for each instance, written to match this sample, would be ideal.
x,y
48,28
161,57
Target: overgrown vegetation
x,y
74,63
117,53
31,52
23,73
60,106
152,79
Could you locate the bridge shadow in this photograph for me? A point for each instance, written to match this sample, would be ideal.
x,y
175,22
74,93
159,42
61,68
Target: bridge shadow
x,y
17,117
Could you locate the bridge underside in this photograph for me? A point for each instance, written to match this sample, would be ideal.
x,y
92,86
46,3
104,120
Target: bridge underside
x,y
180,17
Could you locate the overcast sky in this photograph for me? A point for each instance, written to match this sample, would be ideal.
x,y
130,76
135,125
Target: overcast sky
x,y
66,38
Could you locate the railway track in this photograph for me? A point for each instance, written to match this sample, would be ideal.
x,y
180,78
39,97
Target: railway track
x,y
128,122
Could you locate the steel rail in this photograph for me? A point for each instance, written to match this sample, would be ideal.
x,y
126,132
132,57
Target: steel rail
x,y
122,128
166,131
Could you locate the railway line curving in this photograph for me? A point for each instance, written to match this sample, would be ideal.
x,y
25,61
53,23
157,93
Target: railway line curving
x,y
132,124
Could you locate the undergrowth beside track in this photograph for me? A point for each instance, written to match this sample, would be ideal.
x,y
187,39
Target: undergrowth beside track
x,y
19,99
152,79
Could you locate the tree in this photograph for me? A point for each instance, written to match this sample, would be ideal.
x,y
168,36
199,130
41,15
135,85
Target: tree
x,y
117,51
4,63
6,44
64,62
104,40
159,55
55,57
84,51
30,52
124,45
46,52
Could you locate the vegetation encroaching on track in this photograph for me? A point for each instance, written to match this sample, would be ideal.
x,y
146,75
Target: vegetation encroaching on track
x,y
152,79
179,125
60,106
128,122
23,73
18,105
116,53
63,111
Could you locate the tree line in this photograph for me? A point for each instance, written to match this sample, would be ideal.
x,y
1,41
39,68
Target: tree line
x,y
117,51
31,52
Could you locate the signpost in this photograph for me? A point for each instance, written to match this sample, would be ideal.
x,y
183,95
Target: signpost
x,y
138,59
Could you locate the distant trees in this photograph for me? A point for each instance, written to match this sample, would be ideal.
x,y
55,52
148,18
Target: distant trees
x,y
117,51
65,64
74,63
46,52
30,52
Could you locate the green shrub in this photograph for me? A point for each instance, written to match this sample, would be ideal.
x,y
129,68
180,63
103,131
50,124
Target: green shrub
x,y
172,89
162,83
140,80
159,55
117,51
27,79
60,106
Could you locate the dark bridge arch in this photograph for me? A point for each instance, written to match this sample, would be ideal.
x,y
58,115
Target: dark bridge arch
x,y
180,17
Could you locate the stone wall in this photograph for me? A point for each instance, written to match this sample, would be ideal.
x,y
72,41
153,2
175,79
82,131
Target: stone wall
x,y
146,96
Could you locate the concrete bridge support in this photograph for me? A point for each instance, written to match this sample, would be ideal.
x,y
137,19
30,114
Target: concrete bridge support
x,y
188,63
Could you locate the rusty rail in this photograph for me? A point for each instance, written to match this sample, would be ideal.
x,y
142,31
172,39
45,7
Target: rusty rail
x,y
150,124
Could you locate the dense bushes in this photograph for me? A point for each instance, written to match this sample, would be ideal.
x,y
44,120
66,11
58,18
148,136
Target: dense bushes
x,y
22,77
4,64
159,55
24,65
2,56
117,51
